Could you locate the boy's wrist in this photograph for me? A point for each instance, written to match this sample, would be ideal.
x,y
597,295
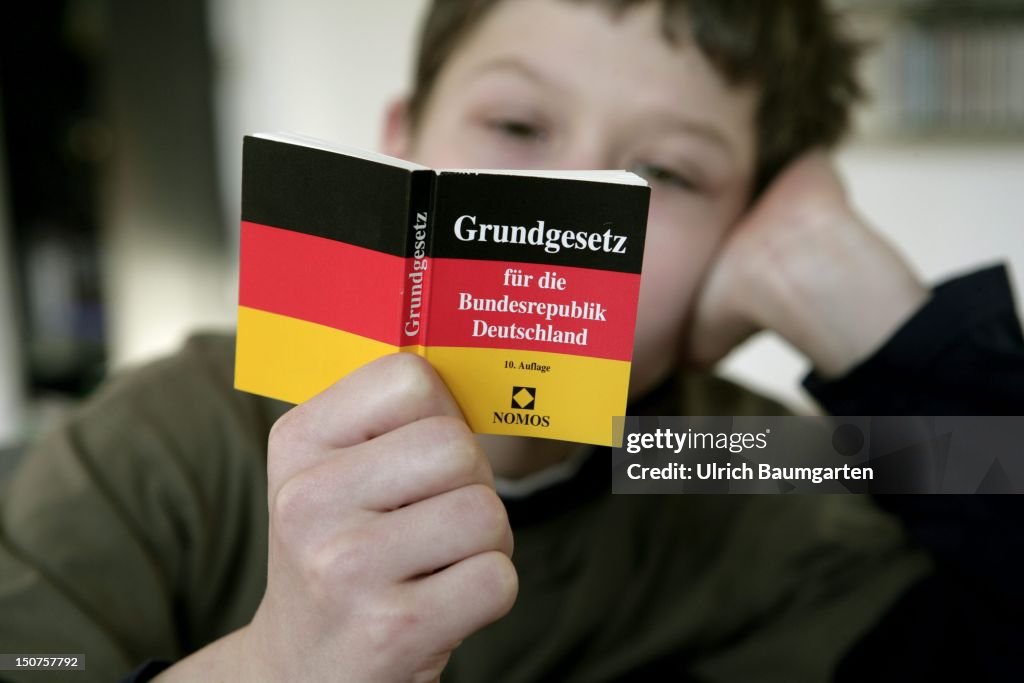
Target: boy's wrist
x,y
227,659
837,296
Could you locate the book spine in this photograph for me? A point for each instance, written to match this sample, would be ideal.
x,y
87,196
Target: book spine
x,y
418,262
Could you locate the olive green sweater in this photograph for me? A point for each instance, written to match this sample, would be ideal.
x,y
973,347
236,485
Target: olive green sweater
x,y
139,530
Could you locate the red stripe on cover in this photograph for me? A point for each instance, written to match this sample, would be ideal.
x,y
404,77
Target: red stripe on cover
x,y
321,281
612,294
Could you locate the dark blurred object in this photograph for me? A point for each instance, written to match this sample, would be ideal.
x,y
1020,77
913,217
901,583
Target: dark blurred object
x,y
108,121
55,146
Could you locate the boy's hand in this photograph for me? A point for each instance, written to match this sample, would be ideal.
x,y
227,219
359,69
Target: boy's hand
x,y
388,543
802,263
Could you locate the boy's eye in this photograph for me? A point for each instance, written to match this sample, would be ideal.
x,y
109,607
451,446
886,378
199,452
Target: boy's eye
x,y
520,130
659,175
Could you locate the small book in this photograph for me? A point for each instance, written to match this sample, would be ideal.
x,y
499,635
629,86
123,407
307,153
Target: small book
x,y
519,287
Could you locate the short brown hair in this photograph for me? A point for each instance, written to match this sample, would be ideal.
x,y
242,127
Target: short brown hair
x,y
791,50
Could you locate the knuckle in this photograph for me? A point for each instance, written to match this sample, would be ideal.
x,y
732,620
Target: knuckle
x,y
410,362
289,430
457,440
397,628
464,458
412,376
484,506
499,580
291,507
345,564
453,430
389,625
281,431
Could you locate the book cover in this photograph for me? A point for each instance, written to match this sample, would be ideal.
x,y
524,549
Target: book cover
x,y
519,287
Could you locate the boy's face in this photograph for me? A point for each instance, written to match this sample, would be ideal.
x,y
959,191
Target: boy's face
x,y
548,84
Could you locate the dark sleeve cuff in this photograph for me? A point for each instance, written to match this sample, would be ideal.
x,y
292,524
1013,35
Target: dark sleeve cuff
x,y
147,671
967,317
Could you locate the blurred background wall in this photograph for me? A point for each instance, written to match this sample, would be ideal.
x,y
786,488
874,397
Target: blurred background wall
x,y
123,125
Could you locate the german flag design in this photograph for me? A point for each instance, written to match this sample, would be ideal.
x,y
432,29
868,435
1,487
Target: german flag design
x,y
521,291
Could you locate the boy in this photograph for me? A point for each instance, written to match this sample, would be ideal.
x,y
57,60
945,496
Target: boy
x,y
386,545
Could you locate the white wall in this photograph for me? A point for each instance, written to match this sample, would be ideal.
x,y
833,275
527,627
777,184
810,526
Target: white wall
x,y
320,67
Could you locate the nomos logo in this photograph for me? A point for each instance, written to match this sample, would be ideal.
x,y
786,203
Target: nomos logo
x,y
510,418
523,398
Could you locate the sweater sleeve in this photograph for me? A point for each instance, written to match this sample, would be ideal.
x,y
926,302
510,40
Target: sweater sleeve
x,y
134,531
961,354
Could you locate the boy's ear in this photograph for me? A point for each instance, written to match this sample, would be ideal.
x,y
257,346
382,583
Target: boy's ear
x,y
396,137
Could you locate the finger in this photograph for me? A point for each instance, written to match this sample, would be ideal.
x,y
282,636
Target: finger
x,y
466,596
387,393
381,396
406,465
441,531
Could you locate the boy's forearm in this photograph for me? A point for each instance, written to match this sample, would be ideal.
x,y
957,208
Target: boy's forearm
x,y
837,294
805,265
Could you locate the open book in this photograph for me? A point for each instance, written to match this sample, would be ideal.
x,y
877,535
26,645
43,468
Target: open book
x,y
519,287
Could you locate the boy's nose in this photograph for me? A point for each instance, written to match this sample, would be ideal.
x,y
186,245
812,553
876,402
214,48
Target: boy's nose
x,y
586,151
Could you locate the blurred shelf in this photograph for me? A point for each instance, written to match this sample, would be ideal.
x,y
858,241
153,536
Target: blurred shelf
x,y
942,69
937,9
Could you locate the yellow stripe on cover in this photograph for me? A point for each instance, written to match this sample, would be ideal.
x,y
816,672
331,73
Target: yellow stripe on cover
x,y
573,397
293,360
500,391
